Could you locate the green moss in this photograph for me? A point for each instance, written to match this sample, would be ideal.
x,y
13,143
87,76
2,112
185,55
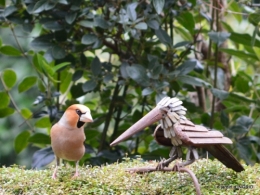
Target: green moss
x,y
214,178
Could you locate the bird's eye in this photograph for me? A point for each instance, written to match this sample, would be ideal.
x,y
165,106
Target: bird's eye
x,y
78,112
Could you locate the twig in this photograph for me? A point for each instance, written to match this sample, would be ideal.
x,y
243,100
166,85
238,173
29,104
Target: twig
x,y
227,11
215,74
23,53
181,169
108,117
13,102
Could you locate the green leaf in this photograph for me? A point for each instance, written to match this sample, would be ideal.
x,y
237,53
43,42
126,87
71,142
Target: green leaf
x,y
219,37
242,84
77,75
9,78
43,157
47,69
27,83
205,119
141,26
1,42
130,11
184,33
58,52
59,66
86,23
21,141
89,85
238,129
40,138
244,39
235,7
89,39
224,119
2,2
240,54
255,32
53,25
138,74
90,134
50,5
10,51
66,80
254,18
221,94
4,112
147,91
153,24
186,19
257,52
108,77
241,97
70,17
244,121
41,86
123,71
205,15
155,69
96,66
244,148
153,146
5,100
42,42
163,36
39,6
77,90
26,113
43,122
158,5
193,81
9,10
101,22
186,67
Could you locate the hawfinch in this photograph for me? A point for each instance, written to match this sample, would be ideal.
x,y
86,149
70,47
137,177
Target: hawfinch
x,y
67,135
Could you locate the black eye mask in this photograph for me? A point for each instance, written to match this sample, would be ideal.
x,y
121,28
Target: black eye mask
x,y
79,123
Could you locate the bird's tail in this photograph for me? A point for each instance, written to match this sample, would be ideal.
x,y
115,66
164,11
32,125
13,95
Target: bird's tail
x,y
224,156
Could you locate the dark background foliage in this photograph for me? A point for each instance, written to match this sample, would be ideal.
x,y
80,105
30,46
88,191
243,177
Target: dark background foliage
x,y
119,58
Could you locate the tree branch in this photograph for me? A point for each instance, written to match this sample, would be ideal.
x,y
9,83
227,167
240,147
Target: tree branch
x,y
14,104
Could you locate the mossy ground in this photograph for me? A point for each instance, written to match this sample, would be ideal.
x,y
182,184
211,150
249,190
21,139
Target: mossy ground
x,y
214,178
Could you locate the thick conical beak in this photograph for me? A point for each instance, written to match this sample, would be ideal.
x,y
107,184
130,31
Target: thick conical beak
x,y
150,118
86,117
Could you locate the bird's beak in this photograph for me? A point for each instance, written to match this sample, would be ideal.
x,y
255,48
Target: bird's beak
x,y
86,117
150,118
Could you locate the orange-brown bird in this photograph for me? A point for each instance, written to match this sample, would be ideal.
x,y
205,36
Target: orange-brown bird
x,y
67,135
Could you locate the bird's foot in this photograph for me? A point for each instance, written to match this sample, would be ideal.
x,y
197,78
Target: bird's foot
x,y
54,176
177,167
75,176
162,164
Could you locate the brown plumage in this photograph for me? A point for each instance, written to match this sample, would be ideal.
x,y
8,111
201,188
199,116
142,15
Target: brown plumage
x,y
67,135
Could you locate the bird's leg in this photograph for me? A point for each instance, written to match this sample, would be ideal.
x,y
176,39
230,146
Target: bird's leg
x,y
77,172
191,156
54,175
174,154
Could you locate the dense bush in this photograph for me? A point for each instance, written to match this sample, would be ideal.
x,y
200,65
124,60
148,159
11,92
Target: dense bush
x,y
121,57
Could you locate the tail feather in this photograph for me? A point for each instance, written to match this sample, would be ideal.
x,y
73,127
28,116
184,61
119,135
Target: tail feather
x,y
224,156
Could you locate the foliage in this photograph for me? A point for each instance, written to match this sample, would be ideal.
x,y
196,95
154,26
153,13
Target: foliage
x,y
113,179
120,58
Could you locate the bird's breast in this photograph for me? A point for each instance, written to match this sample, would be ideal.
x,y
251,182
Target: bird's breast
x,y
68,143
